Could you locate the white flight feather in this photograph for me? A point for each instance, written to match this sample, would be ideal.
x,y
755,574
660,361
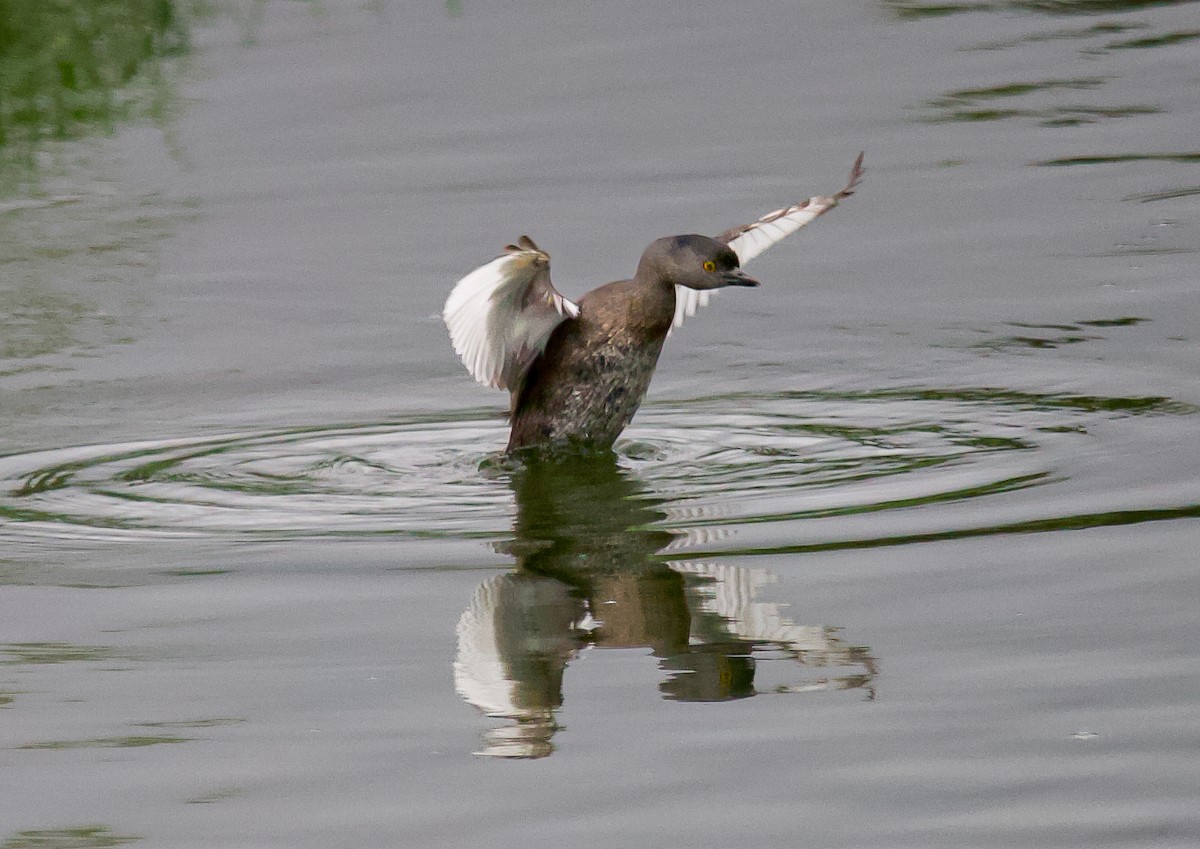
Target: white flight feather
x,y
687,301
769,230
776,226
487,325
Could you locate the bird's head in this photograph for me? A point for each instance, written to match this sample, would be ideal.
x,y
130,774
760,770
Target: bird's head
x,y
697,262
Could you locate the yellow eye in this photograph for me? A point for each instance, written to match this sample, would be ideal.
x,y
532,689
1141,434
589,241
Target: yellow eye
x,y
709,265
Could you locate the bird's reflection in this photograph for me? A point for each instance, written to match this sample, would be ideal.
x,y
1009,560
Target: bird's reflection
x,y
589,573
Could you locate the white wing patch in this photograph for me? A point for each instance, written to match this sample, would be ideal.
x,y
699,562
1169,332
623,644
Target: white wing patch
x,y
776,226
501,315
750,240
687,301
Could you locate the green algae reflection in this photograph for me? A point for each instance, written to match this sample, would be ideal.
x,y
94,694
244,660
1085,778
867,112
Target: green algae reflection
x,y
128,742
977,104
70,69
913,9
79,837
20,654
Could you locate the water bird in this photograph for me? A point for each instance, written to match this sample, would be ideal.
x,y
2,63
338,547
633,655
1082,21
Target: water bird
x,y
577,372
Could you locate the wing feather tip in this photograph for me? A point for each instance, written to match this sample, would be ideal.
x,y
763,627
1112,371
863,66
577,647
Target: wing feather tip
x,y
855,179
484,314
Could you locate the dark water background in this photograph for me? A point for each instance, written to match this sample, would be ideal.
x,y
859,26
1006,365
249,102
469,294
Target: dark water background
x,y
901,551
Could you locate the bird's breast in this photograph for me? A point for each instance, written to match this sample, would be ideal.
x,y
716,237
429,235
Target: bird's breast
x,y
587,387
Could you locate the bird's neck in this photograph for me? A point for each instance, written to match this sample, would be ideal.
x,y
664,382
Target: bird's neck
x,y
651,304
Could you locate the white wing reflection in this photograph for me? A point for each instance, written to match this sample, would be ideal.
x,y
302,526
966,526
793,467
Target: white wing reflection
x,y
712,636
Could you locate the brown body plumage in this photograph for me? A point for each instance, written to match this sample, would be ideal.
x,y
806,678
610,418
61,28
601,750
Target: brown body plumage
x,y
590,380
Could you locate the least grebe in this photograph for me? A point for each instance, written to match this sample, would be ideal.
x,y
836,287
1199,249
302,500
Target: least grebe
x,y
577,372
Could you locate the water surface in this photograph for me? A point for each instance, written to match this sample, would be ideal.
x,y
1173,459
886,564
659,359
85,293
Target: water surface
x,y
900,551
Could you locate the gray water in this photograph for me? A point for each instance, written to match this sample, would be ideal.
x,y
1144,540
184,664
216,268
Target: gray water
x,y
901,550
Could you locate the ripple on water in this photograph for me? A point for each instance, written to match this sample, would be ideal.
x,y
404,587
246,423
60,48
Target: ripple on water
x,y
752,473
411,476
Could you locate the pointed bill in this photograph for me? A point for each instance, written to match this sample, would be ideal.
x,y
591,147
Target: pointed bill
x,y
501,315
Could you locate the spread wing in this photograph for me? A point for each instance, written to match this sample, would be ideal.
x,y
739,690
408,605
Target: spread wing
x,y
501,315
750,240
